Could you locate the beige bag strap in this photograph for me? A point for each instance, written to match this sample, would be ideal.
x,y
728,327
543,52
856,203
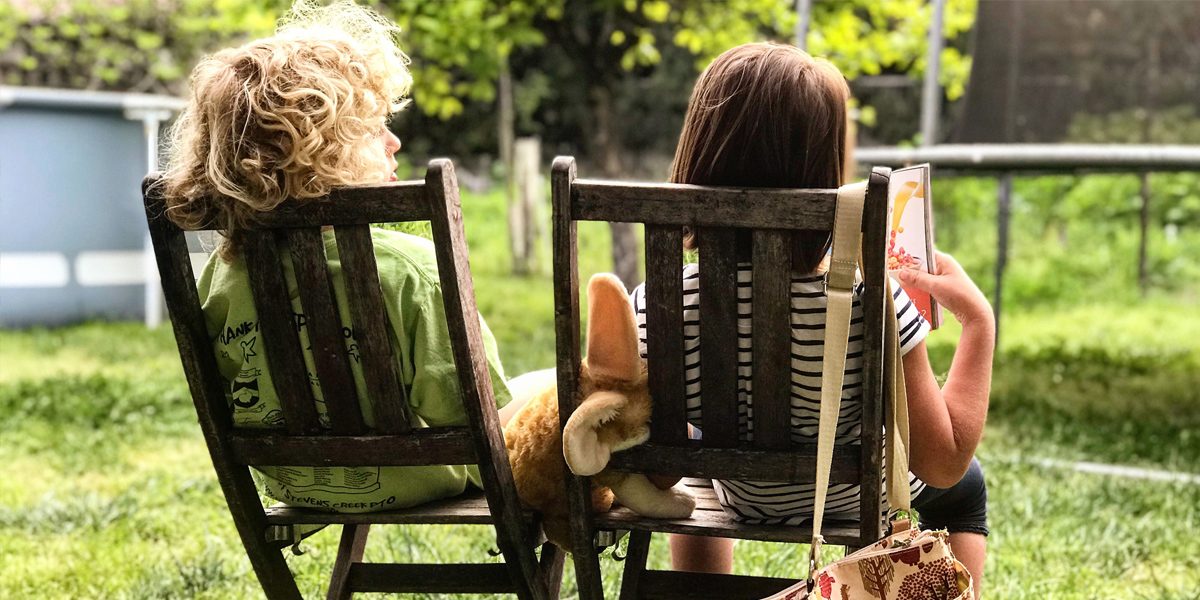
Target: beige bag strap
x,y
847,237
899,494
839,289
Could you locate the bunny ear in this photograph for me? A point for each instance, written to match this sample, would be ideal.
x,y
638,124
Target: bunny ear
x,y
612,342
582,449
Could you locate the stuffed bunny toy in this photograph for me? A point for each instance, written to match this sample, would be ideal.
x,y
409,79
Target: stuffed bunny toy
x,y
613,414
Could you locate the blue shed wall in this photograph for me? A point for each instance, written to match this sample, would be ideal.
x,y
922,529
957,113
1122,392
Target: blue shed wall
x,y
69,184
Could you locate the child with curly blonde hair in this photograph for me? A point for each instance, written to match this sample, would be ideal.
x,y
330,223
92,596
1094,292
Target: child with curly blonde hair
x,y
288,116
292,116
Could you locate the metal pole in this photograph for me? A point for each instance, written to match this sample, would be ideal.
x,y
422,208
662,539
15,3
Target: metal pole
x,y
153,296
1143,240
1040,158
931,97
803,16
1003,212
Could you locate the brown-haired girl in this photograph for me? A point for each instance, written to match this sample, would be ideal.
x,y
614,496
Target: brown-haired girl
x,y
769,115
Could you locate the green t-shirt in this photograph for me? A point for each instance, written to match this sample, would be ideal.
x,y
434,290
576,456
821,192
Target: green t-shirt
x,y
413,298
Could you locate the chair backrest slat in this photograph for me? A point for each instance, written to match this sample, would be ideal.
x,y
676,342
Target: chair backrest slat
x,y
675,204
281,341
568,358
387,393
324,328
771,382
462,318
875,233
474,377
355,205
664,333
187,316
718,336
207,388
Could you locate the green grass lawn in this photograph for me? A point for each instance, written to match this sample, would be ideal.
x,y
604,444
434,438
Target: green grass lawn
x,y
109,492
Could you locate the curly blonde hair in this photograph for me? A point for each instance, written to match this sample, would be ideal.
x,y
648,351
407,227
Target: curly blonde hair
x,y
288,116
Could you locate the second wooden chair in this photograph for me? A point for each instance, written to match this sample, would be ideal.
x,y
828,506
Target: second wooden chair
x,y
718,216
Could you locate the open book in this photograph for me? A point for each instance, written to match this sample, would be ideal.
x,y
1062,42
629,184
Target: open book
x,y
910,239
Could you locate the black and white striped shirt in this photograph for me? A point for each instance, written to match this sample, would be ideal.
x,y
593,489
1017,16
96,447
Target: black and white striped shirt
x,y
788,503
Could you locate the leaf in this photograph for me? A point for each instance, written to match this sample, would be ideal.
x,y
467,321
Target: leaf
x,y
656,11
146,40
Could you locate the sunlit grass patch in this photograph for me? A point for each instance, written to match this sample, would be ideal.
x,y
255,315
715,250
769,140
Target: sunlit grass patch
x,y
1060,534
1094,382
119,562
95,401
116,496
114,349
209,575
108,490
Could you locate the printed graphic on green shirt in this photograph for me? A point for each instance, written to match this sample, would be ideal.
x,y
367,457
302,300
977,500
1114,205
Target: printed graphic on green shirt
x,y
417,326
249,406
352,480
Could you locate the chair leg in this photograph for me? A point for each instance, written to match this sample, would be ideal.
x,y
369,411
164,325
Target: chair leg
x,y
251,523
272,570
520,558
551,564
350,551
273,573
587,566
635,564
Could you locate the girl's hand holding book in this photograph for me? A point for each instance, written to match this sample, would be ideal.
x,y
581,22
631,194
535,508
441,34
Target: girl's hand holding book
x,y
953,289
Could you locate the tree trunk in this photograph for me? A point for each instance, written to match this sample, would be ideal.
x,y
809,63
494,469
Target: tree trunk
x,y
505,135
530,195
607,149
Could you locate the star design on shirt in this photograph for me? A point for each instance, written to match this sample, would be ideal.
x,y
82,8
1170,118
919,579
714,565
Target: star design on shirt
x,y
248,349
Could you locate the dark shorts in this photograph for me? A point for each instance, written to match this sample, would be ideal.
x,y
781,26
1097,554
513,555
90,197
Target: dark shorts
x,y
961,508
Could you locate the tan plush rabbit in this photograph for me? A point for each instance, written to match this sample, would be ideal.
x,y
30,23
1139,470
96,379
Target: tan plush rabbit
x,y
613,414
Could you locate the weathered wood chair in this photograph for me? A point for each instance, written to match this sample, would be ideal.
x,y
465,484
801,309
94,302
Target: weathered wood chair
x,y
348,442
717,215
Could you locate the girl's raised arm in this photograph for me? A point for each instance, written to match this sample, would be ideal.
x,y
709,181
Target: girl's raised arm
x,y
947,422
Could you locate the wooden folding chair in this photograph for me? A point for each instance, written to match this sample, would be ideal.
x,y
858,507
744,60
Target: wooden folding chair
x,y
347,441
717,215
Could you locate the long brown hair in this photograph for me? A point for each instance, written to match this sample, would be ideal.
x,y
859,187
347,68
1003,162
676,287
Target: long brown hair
x,y
766,115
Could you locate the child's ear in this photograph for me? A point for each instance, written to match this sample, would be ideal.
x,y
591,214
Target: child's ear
x,y
612,342
582,449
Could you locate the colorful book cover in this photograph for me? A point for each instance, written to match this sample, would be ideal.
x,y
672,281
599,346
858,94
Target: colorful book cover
x,y
910,239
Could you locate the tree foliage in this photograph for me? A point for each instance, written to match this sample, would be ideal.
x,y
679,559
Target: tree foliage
x,y
562,52
459,48
863,37
133,45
